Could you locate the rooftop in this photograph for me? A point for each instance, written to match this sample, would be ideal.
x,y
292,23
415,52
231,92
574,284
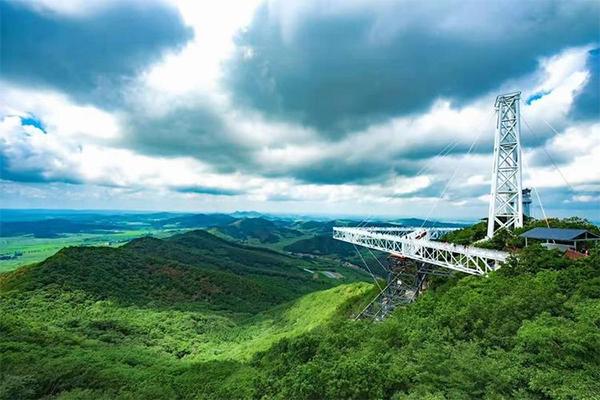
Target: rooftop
x,y
559,234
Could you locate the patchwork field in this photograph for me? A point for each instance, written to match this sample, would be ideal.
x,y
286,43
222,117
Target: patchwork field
x,y
33,249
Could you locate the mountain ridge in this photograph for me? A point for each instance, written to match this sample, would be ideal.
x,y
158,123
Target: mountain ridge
x,y
190,270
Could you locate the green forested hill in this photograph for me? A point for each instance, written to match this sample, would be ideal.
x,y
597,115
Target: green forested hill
x,y
322,245
140,320
259,230
195,270
130,323
528,331
201,246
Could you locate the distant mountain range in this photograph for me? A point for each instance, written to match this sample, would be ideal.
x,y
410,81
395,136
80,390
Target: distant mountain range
x,y
242,225
49,228
260,229
194,221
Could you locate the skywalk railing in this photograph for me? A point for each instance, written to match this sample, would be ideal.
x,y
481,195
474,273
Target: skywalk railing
x,y
418,244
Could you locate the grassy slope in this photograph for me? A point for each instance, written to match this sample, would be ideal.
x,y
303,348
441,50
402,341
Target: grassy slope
x,y
285,321
57,341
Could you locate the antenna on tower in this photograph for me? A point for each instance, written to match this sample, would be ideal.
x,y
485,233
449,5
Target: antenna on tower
x,y
506,204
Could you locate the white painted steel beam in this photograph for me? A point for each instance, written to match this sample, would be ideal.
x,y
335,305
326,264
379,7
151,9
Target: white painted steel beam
x,y
418,244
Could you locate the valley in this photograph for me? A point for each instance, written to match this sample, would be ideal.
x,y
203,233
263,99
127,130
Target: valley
x,y
256,308
153,308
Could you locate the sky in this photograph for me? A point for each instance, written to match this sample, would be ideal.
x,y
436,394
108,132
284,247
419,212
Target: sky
x,y
346,107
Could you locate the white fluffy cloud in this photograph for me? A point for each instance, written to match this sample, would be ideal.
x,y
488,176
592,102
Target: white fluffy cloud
x,y
582,144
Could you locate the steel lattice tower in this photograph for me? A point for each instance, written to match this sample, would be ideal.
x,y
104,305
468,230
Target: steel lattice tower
x,y
506,206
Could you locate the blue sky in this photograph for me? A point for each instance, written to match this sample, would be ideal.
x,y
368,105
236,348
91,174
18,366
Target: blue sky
x,y
343,107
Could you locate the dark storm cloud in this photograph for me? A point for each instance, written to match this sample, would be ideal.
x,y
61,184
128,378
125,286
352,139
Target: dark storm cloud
x,y
373,168
338,72
209,190
587,102
432,191
193,130
87,56
14,171
365,170
336,171
198,131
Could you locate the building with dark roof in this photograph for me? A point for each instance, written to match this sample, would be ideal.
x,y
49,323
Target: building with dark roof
x,y
560,238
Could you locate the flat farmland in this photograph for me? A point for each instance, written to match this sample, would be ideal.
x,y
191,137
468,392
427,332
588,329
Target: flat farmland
x,y
34,249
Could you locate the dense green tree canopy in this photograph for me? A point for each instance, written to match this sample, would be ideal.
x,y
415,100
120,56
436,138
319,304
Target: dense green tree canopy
x,y
530,330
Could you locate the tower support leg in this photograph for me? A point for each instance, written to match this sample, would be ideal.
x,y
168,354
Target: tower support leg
x,y
406,280
506,203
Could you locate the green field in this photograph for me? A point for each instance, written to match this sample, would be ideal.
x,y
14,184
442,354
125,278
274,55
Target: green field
x,y
38,249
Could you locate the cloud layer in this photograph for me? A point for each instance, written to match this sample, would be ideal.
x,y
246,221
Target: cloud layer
x,y
344,65
345,107
88,56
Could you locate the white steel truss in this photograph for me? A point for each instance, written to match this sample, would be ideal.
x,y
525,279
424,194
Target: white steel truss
x,y
506,204
418,244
